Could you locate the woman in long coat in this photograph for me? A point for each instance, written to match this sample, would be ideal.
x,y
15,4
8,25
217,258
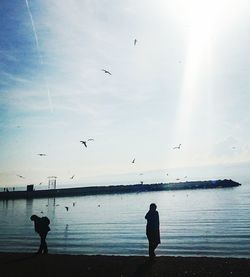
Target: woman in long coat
x,y
152,229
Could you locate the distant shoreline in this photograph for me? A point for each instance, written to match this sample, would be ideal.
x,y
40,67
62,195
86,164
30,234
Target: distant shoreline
x,y
29,265
117,189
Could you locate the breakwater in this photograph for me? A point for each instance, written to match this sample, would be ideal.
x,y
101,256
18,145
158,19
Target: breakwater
x,y
118,189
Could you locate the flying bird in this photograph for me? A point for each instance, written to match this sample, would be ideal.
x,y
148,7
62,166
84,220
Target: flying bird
x,y
177,147
135,41
41,154
133,161
20,176
40,184
67,208
106,71
84,142
72,176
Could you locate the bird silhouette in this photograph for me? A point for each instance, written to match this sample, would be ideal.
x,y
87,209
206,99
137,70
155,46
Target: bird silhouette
x,y
106,71
90,139
40,183
20,176
41,154
177,147
84,142
133,161
72,176
135,41
74,203
67,208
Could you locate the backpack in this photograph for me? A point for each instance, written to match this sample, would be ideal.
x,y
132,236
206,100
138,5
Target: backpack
x,y
45,222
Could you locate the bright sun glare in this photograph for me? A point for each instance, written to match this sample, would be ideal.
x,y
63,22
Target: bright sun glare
x,y
203,18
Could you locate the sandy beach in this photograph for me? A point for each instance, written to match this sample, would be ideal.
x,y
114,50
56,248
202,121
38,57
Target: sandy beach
x,y
28,264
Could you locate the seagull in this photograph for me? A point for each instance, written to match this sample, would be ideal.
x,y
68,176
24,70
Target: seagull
x,y
177,147
135,41
133,161
72,176
106,71
20,176
41,154
84,142
67,208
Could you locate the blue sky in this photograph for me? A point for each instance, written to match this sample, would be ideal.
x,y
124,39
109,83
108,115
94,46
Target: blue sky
x,y
185,81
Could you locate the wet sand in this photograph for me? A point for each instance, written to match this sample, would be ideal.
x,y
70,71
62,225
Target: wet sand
x,y
25,265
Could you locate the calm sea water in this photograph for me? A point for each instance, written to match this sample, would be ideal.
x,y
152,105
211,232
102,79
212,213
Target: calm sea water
x,y
193,222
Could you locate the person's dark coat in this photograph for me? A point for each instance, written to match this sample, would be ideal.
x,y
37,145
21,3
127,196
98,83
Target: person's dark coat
x,y
153,227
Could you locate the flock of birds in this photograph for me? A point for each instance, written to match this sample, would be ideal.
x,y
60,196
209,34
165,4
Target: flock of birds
x,y
67,208
84,142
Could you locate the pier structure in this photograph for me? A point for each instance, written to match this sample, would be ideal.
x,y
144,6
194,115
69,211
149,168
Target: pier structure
x,y
53,192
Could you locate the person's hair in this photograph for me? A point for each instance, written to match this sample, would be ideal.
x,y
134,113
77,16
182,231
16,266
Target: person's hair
x,y
33,217
153,206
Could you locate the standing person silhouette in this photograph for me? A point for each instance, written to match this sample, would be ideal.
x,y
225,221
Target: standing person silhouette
x,y
152,229
41,225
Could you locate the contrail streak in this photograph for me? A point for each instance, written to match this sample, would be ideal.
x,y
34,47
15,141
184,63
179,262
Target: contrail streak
x,y
39,51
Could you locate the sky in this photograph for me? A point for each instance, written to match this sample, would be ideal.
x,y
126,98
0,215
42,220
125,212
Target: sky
x,y
185,81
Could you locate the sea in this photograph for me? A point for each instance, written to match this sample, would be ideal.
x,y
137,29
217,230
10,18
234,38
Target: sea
x,y
201,222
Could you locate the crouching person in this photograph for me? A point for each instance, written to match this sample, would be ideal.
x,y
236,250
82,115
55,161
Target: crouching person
x,y
41,225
